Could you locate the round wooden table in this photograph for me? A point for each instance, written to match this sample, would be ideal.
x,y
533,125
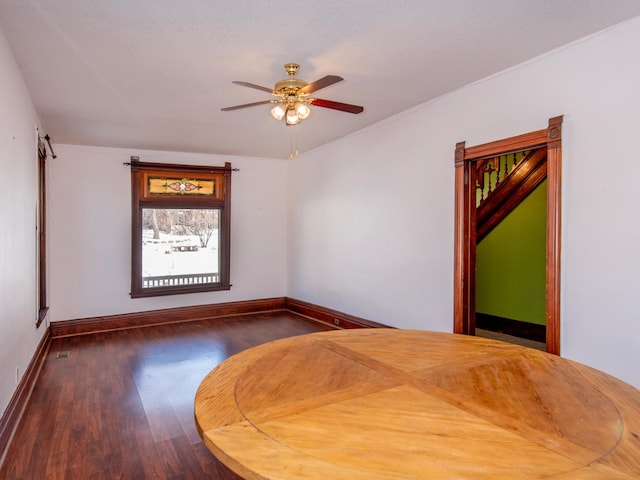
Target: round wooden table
x,y
391,404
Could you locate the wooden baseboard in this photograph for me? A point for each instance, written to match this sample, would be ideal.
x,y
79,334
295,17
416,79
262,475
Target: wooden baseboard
x,y
83,326
329,316
13,413
516,328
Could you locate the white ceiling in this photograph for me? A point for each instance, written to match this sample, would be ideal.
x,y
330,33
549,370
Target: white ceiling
x,y
154,74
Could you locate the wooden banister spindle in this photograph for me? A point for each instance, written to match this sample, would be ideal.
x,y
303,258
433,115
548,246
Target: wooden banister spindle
x,y
489,171
504,162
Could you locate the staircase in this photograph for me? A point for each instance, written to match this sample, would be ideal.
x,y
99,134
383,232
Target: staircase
x,y
503,182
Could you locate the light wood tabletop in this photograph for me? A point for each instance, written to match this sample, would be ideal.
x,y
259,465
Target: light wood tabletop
x,y
402,404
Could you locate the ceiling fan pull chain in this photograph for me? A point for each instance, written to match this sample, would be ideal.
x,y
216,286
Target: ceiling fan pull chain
x,y
293,145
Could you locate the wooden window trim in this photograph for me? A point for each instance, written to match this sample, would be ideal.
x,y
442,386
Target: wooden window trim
x,y
141,198
41,240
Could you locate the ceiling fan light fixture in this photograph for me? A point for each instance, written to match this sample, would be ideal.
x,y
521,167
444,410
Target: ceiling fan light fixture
x,y
279,111
302,110
292,117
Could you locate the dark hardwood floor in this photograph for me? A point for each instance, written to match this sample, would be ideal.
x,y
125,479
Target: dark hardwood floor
x,y
119,405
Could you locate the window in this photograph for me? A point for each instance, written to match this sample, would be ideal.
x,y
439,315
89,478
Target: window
x,y
180,228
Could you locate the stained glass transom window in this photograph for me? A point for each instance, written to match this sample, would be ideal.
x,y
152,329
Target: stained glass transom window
x,y
182,186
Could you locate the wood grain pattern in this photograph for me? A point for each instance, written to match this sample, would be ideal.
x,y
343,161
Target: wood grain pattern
x,y
398,404
554,233
120,405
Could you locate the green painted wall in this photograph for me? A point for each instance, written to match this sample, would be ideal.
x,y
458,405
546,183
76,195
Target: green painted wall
x,y
510,261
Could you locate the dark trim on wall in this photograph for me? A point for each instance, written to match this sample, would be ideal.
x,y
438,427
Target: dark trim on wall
x,y
329,316
83,326
14,411
516,328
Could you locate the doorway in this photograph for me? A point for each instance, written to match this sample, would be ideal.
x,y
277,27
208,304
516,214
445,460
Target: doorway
x,y
549,141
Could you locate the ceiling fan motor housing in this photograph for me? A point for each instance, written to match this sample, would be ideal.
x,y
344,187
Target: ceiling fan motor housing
x,y
291,85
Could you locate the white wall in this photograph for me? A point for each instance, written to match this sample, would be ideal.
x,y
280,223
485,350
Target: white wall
x,y
18,161
90,239
371,216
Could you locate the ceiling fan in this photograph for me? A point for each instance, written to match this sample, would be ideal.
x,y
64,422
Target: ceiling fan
x,y
292,97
